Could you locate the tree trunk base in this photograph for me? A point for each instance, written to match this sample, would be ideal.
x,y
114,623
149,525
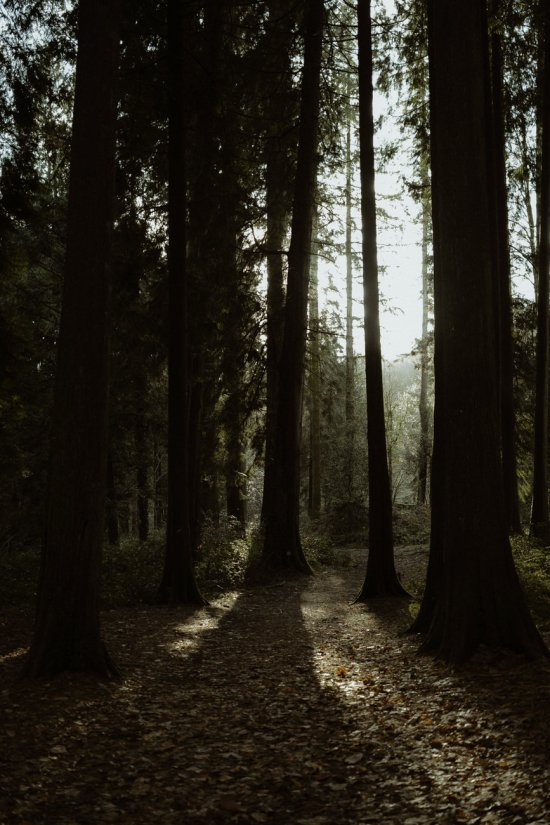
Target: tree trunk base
x,y
49,660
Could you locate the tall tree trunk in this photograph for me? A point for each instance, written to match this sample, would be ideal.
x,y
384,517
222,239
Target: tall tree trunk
x,y
423,407
277,214
503,281
381,578
67,630
178,582
540,522
350,364
314,493
282,544
473,593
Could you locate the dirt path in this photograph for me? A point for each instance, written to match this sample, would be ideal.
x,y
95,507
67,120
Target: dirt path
x,y
277,705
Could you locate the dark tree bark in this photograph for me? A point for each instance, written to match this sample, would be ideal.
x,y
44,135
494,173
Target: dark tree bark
x,y
314,491
178,582
503,281
67,630
473,594
381,578
540,519
282,544
277,216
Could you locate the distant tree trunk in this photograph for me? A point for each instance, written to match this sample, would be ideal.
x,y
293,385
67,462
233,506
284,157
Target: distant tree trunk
x,y
67,630
178,582
503,281
423,407
472,593
159,487
540,521
142,462
381,578
314,496
282,544
235,470
350,365
113,532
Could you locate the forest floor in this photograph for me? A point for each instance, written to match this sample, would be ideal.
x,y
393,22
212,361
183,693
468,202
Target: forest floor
x,y
285,704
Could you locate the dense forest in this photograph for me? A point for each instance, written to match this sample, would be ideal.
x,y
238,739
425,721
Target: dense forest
x,y
186,404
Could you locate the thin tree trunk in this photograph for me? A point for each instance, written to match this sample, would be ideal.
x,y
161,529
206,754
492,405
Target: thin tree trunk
x,y
235,475
142,462
314,497
350,364
282,544
159,518
540,523
423,408
67,631
381,578
113,532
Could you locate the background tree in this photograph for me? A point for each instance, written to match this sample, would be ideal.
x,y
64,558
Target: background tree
x,y
178,579
503,285
540,523
381,578
282,544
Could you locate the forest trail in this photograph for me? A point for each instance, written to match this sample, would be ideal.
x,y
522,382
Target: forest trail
x,y
284,705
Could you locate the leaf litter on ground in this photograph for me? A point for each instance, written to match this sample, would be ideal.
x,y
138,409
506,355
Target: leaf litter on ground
x,y
275,705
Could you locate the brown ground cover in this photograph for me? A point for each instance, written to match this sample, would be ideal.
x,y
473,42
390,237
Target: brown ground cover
x,y
281,704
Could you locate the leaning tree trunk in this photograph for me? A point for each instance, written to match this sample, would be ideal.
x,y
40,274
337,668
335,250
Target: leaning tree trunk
x,y
381,578
282,544
67,631
178,582
473,594
540,521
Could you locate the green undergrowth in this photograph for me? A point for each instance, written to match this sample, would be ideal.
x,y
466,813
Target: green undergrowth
x,y
131,571
533,565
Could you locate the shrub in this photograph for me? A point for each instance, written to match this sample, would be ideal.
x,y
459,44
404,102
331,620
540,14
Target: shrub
x,y
131,572
320,550
223,556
